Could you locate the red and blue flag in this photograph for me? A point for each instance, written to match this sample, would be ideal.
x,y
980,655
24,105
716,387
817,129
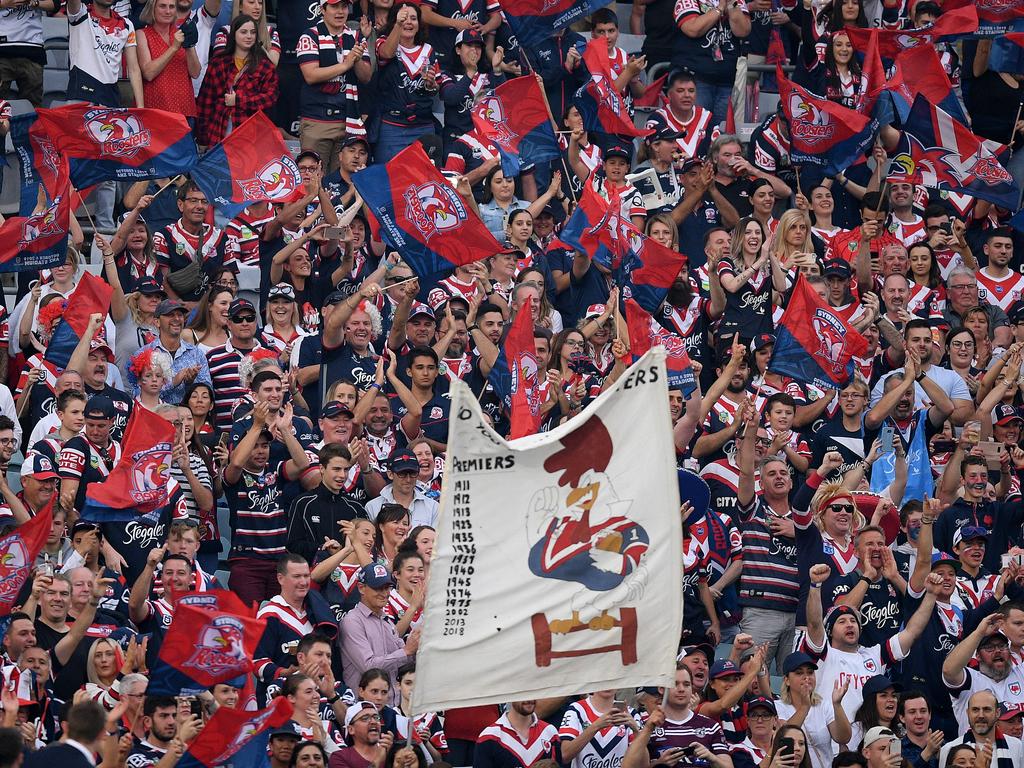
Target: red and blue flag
x,y
950,26
18,552
237,737
822,132
422,216
919,71
645,332
601,106
517,375
120,144
91,296
40,162
996,17
251,165
939,152
515,117
137,485
39,240
813,344
583,230
534,21
648,268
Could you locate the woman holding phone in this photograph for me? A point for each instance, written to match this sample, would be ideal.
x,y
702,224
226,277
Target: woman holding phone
x,y
789,749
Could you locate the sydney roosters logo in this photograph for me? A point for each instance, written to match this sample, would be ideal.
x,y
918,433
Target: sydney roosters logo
x,y
809,124
831,339
275,180
491,110
119,133
434,208
43,224
219,649
525,372
14,567
150,471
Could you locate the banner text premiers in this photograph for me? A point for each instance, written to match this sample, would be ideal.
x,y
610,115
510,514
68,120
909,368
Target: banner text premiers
x,y
459,589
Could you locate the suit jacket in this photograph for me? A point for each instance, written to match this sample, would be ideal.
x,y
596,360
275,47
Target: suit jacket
x,y
64,755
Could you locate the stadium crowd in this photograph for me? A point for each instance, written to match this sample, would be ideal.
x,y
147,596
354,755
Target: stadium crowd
x,y
853,593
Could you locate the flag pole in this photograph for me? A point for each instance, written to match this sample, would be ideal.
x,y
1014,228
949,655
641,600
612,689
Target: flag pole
x,y
554,125
168,184
796,169
1013,133
81,202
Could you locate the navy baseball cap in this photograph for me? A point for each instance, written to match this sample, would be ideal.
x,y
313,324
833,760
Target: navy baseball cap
x,y
879,683
761,702
99,407
39,467
239,306
724,668
938,558
796,660
1004,413
375,576
148,286
335,408
403,460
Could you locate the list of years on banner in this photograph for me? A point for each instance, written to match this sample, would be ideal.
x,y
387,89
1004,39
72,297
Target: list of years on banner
x,y
459,589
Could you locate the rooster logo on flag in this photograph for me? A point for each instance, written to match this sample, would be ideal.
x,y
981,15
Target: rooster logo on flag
x,y
249,729
14,567
220,649
526,374
434,209
832,336
151,469
492,110
809,123
43,224
119,133
273,181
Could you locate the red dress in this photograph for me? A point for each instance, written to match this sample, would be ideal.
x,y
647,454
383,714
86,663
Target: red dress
x,y
171,89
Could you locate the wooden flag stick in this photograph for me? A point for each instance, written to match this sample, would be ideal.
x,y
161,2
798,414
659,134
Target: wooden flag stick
x,y
168,184
1013,133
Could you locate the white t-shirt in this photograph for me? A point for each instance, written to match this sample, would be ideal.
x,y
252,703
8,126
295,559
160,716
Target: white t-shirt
x,y
836,667
1008,691
95,45
816,724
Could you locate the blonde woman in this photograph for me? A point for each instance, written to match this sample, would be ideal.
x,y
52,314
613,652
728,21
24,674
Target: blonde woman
x,y
792,239
105,667
284,323
826,520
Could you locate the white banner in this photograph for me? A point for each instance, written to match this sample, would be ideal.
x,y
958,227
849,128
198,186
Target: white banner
x,y
558,562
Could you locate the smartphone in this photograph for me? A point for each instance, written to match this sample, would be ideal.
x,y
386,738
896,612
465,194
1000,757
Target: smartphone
x,y
885,438
943,446
787,746
196,707
335,233
895,747
1018,559
618,706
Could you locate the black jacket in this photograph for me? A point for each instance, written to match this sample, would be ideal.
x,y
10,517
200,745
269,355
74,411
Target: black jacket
x,y
316,515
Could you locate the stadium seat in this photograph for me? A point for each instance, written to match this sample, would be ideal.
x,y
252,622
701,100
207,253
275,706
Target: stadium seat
x,y
10,195
631,43
55,28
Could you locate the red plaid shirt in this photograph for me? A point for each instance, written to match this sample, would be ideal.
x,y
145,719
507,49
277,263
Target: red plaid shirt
x,y
255,90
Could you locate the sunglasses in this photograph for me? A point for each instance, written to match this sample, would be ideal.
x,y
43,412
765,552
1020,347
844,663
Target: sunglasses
x,y
848,508
245,319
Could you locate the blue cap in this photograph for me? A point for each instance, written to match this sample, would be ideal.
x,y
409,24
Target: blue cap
x,y
938,558
796,660
877,684
724,668
761,702
968,532
375,576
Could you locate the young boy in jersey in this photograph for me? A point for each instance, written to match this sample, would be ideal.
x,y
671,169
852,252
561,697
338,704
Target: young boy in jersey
x,y
779,412
625,70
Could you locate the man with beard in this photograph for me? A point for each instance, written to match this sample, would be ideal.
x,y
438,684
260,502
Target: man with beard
x,y
920,743
984,736
518,740
367,745
981,662
92,359
900,395
1001,285
160,719
770,583
834,640
874,588
721,424
689,315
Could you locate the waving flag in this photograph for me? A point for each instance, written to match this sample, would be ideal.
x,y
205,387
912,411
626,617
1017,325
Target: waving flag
x,y
516,119
995,15
599,102
949,27
533,21
236,736
517,375
823,132
39,240
18,552
210,646
137,485
919,466
939,152
583,231
872,79
919,71
92,295
421,215
251,165
653,96
119,144
813,344
39,161
645,332
648,269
